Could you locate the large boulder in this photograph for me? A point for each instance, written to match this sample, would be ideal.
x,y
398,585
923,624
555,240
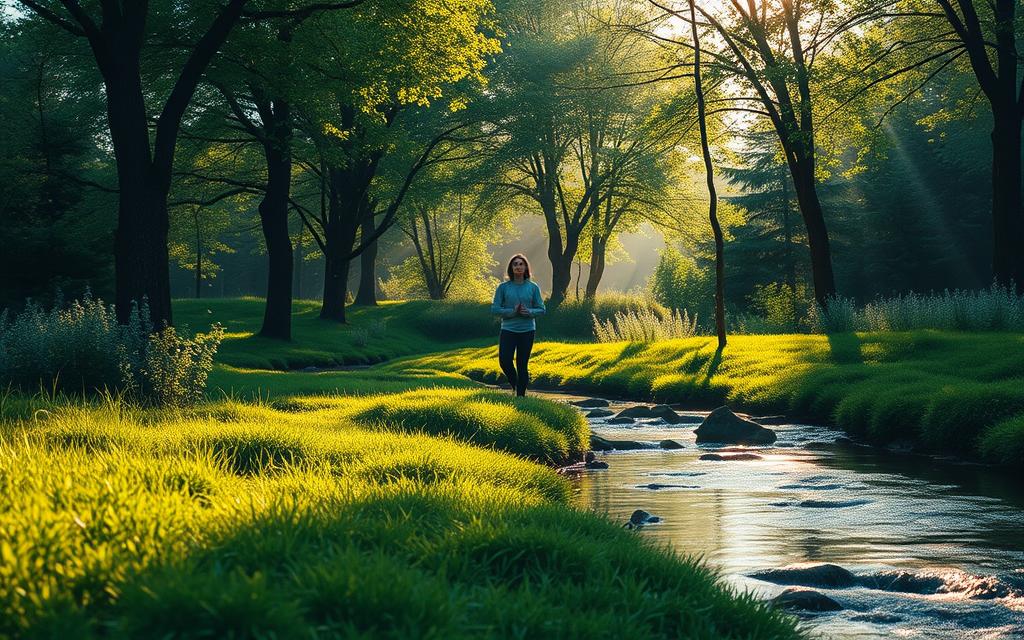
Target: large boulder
x,y
722,425
600,413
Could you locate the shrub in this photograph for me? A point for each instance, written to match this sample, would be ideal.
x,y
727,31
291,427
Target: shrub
x,y
176,368
679,283
82,348
840,316
645,326
994,309
573,319
782,308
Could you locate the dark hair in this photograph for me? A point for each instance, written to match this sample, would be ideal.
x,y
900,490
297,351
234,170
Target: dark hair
x,y
526,274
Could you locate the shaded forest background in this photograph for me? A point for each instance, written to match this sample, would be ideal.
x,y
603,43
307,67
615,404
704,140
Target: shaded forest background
x,y
906,192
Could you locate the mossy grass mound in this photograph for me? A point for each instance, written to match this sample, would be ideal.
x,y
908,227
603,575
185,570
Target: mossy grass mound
x,y
243,520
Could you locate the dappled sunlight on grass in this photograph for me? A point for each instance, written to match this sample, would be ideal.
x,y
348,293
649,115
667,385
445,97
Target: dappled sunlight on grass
x,y
330,518
940,389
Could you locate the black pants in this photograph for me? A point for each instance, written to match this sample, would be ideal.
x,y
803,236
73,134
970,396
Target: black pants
x,y
520,344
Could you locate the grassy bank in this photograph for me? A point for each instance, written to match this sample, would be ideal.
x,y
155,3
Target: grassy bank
x,y
330,517
959,393
375,334
372,334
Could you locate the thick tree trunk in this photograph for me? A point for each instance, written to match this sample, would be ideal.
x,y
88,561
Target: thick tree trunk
x,y
561,277
561,256
1007,226
335,289
597,255
140,253
140,245
277,314
367,293
807,198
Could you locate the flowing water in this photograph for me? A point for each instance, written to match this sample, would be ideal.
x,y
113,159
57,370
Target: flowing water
x,y
936,548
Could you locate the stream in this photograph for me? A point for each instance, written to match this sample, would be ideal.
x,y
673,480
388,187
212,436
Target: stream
x,y
935,547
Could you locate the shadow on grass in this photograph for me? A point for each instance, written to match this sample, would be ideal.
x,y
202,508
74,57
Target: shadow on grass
x,y
845,348
412,560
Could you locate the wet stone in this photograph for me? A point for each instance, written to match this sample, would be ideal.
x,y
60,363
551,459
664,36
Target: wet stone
x,y
596,464
805,600
621,420
815,575
670,445
600,413
638,411
597,443
590,403
722,425
640,518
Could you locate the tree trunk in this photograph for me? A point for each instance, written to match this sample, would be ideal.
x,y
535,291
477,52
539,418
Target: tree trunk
x,y
277,314
822,275
367,293
597,255
335,289
199,256
1007,226
140,253
561,277
787,234
140,244
299,257
709,174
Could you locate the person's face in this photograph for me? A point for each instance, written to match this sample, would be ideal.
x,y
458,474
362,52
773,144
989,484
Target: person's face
x,y
518,267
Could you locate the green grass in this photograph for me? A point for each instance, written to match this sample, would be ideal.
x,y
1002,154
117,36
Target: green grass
x,y
376,334
328,517
372,334
943,391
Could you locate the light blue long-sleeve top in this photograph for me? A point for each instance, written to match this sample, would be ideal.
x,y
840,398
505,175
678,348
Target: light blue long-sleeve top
x,y
508,295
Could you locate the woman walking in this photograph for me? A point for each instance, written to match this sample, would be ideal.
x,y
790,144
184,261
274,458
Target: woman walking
x,y
518,302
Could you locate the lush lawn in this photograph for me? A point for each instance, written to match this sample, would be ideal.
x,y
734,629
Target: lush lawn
x,y
372,334
960,393
330,517
403,500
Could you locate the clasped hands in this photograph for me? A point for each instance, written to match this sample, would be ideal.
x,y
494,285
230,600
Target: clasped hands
x,y
521,310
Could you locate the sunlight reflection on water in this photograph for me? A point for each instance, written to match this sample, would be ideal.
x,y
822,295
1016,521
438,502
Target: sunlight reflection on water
x,y
866,510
